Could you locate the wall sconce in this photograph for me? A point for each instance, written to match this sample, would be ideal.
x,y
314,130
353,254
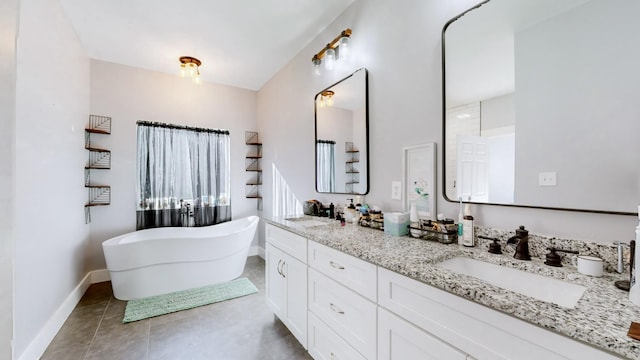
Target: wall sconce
x,y
336,49
326,98
190,66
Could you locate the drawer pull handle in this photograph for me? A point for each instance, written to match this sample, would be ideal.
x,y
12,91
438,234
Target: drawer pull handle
x,y
336,265
336,309
282,273
281,264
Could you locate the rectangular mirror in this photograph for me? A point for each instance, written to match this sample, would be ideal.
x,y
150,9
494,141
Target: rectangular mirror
x,y
541,105
342,136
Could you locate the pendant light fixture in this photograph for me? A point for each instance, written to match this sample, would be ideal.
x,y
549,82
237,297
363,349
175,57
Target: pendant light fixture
x,y
190,67
326,98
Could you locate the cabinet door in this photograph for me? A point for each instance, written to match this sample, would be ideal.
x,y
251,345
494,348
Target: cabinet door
x,y
275,282
400,340
295,274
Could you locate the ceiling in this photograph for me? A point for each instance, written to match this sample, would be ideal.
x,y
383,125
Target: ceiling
x,y
241,43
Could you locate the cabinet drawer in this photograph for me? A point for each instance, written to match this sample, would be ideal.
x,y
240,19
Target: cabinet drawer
x,y
481,332
350,315
357,275
293,244
400,340
324,344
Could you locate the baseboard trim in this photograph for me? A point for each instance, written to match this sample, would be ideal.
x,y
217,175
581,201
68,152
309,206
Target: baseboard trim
x,y
98,276
40,343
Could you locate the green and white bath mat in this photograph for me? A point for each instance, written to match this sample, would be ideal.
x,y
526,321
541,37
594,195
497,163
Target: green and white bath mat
x,y
139,309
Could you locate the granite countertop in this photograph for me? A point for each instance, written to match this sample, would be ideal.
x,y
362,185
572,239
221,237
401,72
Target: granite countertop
x,y
601,318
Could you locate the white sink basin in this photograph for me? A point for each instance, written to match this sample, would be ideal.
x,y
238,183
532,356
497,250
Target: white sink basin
x,y
536,286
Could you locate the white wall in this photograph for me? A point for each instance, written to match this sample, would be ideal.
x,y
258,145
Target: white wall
x,y
8,34
52,104
130,94
400,46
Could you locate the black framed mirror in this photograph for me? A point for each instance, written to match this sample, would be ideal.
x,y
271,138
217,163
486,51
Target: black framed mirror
x,y
540,105
342,136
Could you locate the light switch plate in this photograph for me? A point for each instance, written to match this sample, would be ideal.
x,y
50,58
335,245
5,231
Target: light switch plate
x,y
396,190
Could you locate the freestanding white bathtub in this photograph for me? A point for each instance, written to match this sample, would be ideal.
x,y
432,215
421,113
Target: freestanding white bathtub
x,y
163,260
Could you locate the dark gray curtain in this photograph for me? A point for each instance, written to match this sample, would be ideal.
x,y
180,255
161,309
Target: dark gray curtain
x,y
183,176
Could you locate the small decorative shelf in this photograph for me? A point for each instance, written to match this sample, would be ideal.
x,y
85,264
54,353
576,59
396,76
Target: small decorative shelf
x,y
253,167
351,169
99,159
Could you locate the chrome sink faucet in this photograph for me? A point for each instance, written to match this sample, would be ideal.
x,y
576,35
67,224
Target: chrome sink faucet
x,y
522,244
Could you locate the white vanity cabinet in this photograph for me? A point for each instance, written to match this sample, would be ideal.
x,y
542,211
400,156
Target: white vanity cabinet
x,y
466,327
286,279
342,305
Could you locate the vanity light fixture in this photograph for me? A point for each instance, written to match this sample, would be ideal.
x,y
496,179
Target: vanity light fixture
x,y
190,66
326,98
338,48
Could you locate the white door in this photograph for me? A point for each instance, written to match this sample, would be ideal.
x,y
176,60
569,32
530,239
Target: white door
x,y
473,169
295,274
275,281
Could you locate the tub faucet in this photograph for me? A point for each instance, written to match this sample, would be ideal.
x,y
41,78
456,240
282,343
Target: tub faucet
x,y
522,244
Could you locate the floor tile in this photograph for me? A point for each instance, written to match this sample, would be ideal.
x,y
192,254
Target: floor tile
x,y
243,328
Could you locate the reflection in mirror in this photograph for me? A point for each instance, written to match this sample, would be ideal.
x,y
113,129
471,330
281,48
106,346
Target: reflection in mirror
x,y
342,159
540,105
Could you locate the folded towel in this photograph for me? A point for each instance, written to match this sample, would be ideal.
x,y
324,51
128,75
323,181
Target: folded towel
x,y
634,330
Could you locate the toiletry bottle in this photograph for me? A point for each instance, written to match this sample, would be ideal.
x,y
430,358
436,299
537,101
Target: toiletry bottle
x,y
353,216
634,290
347,212
460,224
468,238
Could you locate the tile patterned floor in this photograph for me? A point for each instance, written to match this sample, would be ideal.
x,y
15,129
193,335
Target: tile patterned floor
x,y
237,329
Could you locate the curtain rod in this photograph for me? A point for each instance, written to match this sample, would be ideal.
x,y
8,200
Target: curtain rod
x,y
183,127
325,142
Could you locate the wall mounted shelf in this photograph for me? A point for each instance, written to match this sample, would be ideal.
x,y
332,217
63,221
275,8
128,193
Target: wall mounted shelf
x,y
252,166
99,159
353,174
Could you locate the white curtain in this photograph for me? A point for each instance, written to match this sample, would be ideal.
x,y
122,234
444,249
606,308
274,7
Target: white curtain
x,y
183,176
325,165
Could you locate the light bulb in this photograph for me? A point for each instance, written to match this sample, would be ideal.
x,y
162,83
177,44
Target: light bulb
x,y
192,70
329,101
196,79
183,71
330,59
321,102
344,47
316,66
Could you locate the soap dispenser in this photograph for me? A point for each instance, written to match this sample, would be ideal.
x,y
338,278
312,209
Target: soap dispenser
x,y
634,290
468,236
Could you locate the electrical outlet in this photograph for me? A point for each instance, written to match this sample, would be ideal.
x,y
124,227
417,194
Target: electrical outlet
x,y
547,179
396,190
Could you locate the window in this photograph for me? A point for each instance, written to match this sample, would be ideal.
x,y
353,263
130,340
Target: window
x,y
183,176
